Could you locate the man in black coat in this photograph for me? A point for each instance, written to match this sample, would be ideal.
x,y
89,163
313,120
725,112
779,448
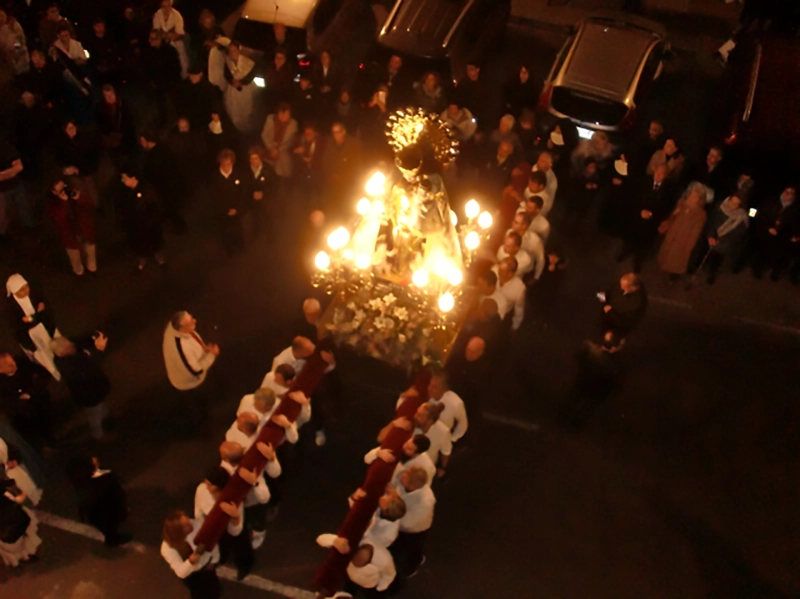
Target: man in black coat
x,y
197,99
777,236
81,367
624,305
713,173
162,67
646,209
229,189
101,499
160,169
25,398
260,180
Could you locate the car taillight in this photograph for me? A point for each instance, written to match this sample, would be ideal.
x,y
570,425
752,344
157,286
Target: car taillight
x,y
627,122
547,94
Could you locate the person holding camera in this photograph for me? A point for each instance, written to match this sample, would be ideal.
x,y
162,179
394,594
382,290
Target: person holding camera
x,y
73,215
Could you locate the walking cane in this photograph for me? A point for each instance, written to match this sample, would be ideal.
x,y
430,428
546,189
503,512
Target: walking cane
x,y
699,268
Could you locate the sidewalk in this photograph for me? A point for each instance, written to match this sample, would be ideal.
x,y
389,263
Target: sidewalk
x,y
692,24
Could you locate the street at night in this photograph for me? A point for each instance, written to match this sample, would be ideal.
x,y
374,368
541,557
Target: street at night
x,y
682,483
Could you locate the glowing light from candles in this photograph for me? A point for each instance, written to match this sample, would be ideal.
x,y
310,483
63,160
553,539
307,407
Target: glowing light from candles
x,y
472,240
376,184
338,238
420,277
485,220
455,276
446,302
363,206
379,207
472,209
322,261
363,261
347,254
453,218
405,203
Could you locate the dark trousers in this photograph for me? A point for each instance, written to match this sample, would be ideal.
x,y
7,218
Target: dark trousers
x,y
637,245
232,237
408,550
240,548
255,517
32,418
326,400
360,592
203,584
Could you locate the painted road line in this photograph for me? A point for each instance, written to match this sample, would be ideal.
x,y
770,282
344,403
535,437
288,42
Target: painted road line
x,y
671,302
768,325
520,424
256,582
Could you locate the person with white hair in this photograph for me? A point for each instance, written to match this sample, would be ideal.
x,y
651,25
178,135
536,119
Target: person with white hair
x,y
186,355
505,132
263,403
170,22
33,324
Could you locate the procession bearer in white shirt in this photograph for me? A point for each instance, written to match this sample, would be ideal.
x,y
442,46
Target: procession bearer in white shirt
x,y
512,288
409,548
415,453
454,414
255,503
512,248
263,403
371,567
233,541
531,242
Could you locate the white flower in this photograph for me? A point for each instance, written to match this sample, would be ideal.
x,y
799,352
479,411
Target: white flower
x,y
376,304
401,338
389,299
351,305
401,313
359,316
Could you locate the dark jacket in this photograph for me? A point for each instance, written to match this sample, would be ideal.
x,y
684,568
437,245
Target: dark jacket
x,y
646,197
162,66
142,214
80,151
229,193
30,379
102,501
21,327
599,371
84,375
626,310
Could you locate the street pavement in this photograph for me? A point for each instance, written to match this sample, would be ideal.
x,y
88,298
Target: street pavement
x,y
683,485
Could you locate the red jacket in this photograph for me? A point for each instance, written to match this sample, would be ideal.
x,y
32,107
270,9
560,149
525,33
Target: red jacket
x,y
74,220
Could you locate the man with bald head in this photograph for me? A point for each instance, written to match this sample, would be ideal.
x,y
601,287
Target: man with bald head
x,y
513,289
307,326
545,165
244,430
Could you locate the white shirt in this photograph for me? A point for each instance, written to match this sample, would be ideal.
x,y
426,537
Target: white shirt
x,y
547,199
454,415
183,567
550,188
259,492
532,243
539,225
248,404
204,502
269,383
423,460
524,261
500,300
25,483
237,436
441,442
191,373
381,531
465,126
287,357
514,292
378,574
419,509
174,22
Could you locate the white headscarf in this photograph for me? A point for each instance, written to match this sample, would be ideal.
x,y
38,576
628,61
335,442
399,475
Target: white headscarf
x,y
3,453
14,283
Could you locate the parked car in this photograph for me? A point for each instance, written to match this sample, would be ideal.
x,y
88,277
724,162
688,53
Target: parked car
x,y
758,115
441,35
604,72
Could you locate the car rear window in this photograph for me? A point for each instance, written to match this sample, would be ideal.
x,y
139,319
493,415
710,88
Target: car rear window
x,y
588,108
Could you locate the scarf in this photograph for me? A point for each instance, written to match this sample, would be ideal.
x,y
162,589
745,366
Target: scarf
x,y
15,283
735,218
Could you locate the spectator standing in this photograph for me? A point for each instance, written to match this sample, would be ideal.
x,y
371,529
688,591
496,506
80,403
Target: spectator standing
x,y
777,235
585,189
304,98
102,501
346,111
682,230
278,136
308,155
193,565
474,94
671,157
162,68
279,78
142,216
19,541
260,182
170,22
646,210
430,96
50,24
161,170
241,92
461,121
624,305
340,164
198,99
373,124
713,173
327,79
643,147
77,155
33,325
13,45
229,189
73,215
520,92
115,125
81,368
726,232
25,398
105,55
205,38
12,190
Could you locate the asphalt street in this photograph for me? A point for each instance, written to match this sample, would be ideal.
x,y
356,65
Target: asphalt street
x,y
683,485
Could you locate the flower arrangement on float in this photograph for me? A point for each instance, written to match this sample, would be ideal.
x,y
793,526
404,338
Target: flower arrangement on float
x,y
398,271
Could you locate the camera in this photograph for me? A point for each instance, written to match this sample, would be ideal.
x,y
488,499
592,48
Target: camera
x,y
71,193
